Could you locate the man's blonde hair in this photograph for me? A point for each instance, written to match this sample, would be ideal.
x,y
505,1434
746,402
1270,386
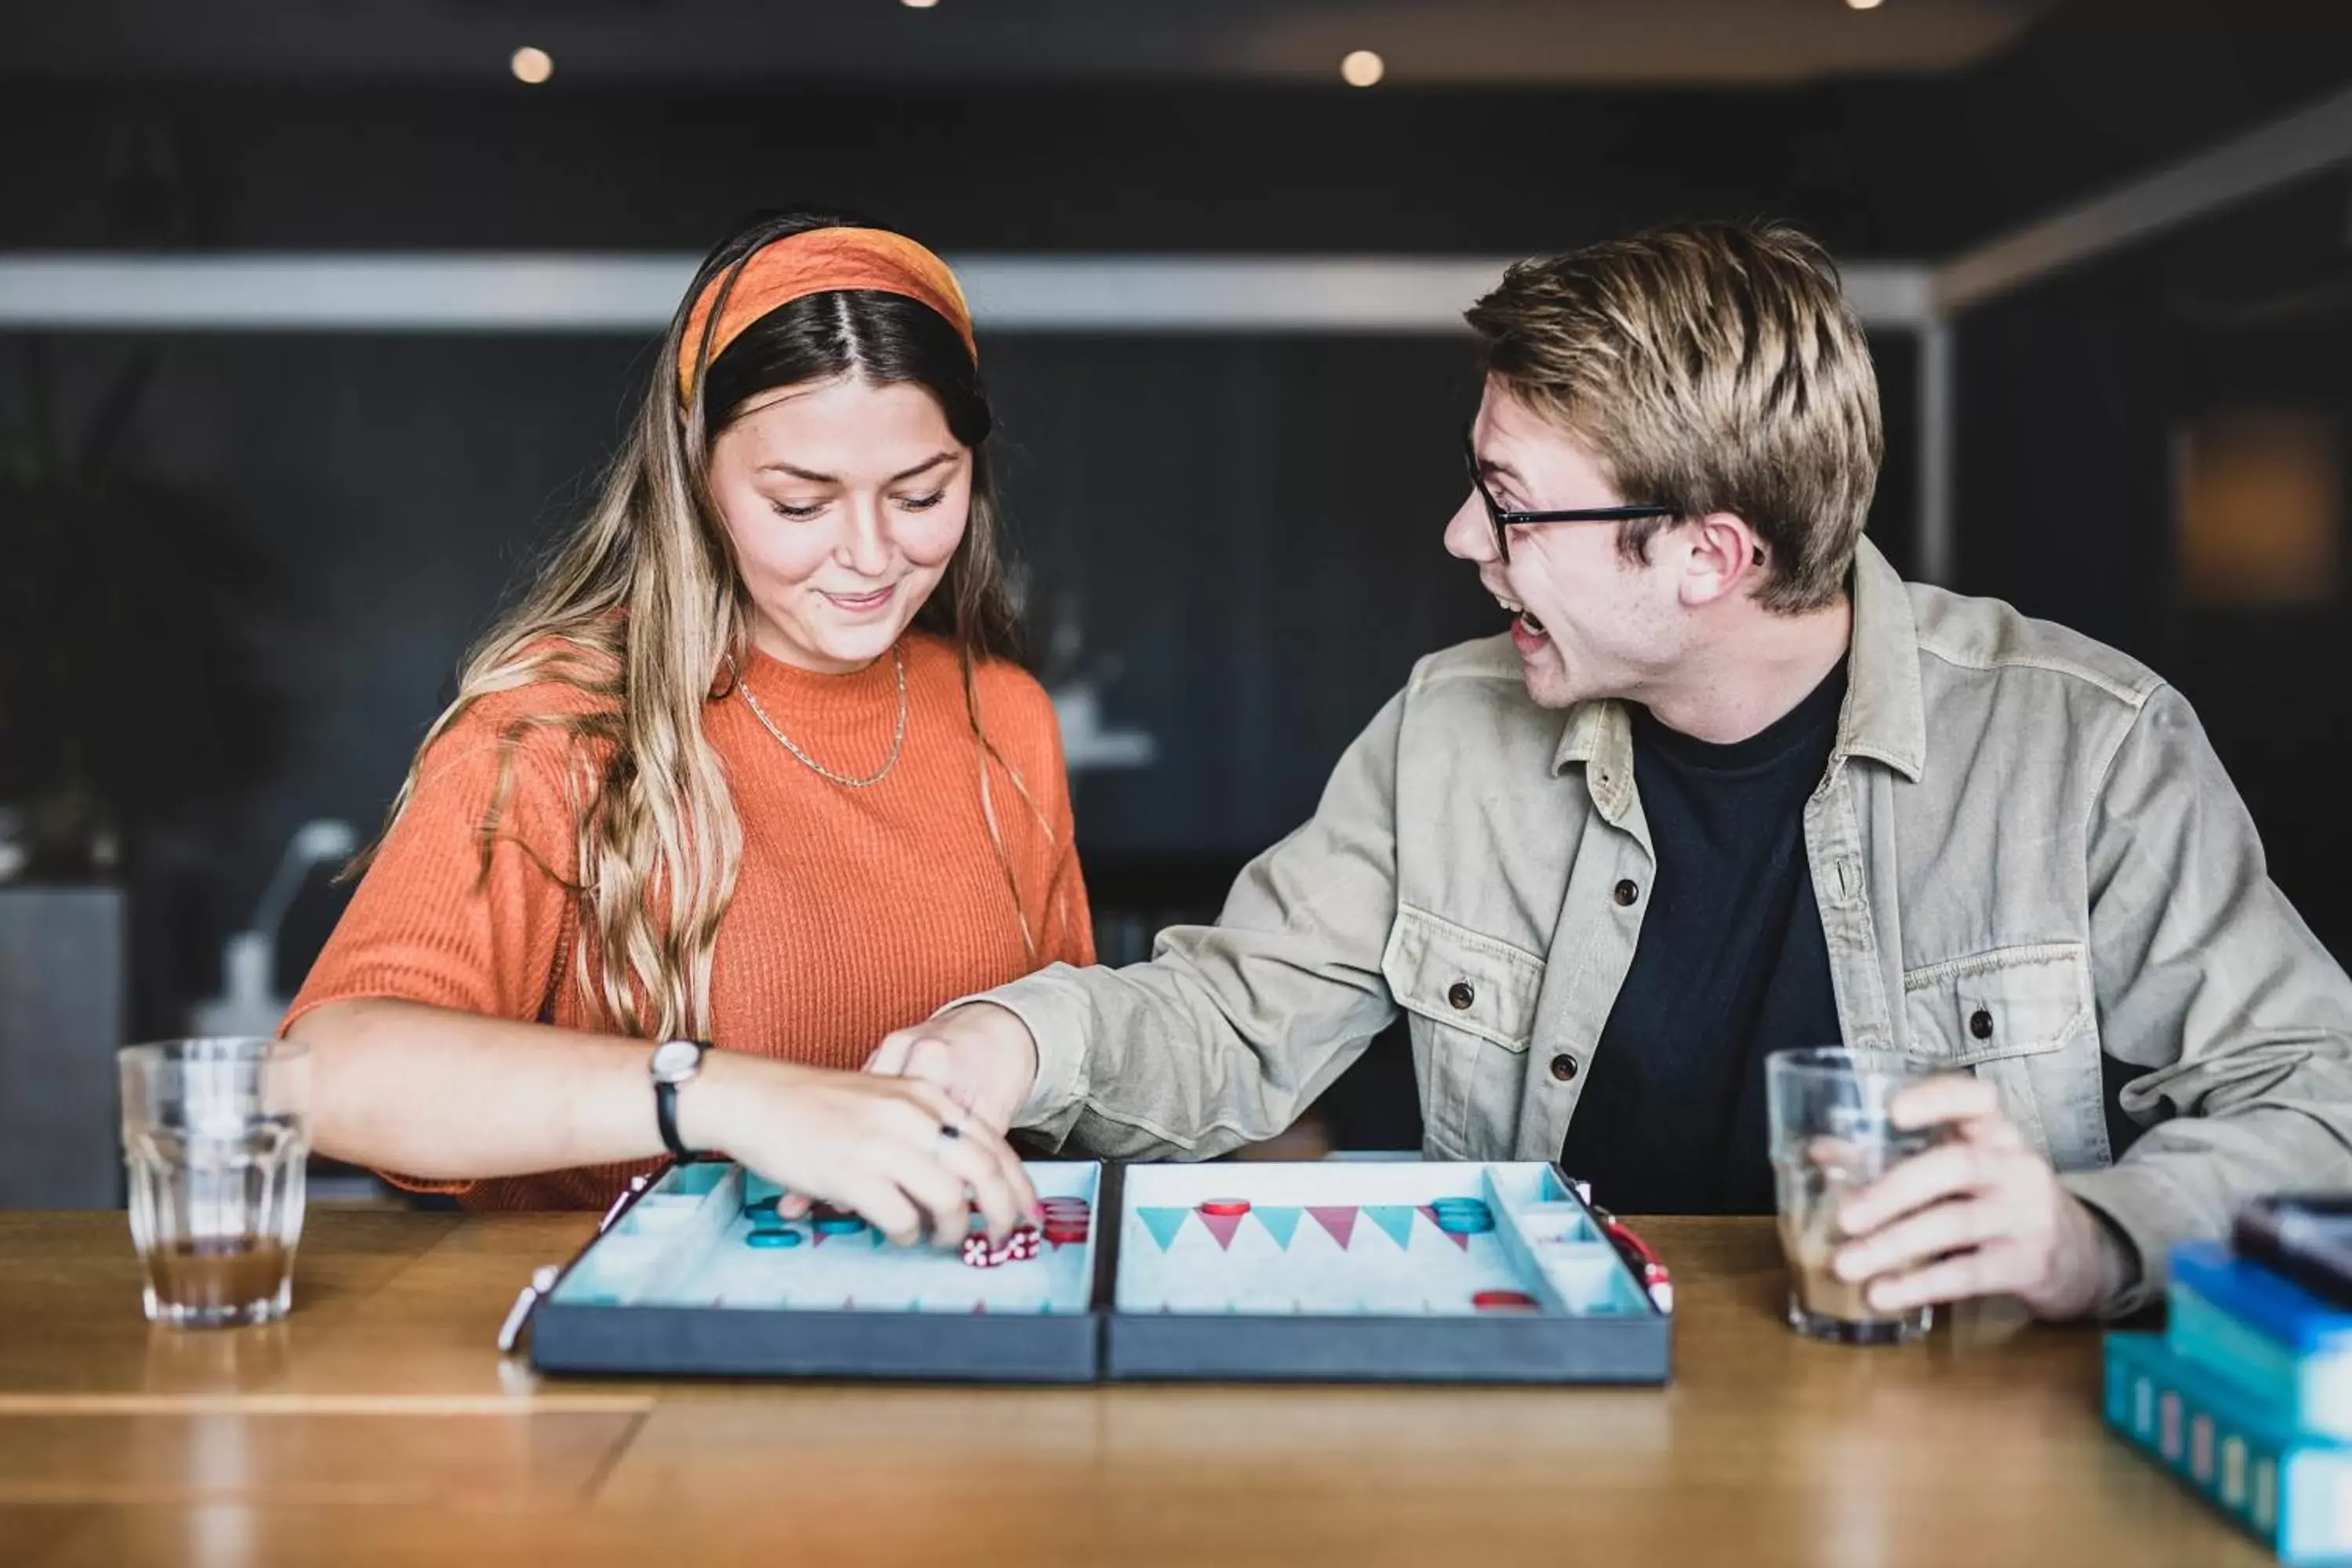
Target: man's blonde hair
x,y
1710,367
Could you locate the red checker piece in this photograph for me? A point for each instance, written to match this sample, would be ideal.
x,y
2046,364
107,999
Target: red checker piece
x,y
1503,1301
1224,1208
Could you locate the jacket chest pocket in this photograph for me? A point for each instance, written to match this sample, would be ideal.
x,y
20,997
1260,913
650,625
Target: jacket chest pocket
x,y
1473,1005
2024,1018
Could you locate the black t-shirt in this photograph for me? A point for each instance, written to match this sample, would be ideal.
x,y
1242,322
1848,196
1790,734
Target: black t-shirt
x,y
1731,965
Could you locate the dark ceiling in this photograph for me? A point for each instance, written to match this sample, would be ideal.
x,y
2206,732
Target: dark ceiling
x,y
1113,124
1451,42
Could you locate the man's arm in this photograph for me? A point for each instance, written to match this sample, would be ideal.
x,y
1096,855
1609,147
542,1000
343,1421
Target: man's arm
x,y
2208,978
1231,1030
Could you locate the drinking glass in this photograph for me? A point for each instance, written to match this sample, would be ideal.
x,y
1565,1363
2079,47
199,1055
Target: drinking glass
x,y
215,1135
1831,1134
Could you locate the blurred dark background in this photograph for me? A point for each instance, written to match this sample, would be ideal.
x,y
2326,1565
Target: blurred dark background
x,y
258,553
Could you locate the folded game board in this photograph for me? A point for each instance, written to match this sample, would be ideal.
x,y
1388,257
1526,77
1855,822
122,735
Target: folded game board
x,y
1493,1272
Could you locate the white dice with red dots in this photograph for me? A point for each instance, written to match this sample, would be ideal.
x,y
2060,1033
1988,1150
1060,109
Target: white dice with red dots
x,y
1019,1248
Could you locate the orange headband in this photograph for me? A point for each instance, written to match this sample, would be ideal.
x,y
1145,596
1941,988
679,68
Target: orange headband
x,y
818,261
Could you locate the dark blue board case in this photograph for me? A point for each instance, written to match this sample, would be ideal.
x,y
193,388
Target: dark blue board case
x,y
1629,1343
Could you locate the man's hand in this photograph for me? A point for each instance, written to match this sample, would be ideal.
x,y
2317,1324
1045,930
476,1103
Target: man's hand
x,y
983,1054
1983,1215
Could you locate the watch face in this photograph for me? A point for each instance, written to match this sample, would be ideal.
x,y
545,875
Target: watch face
x,y
675,1060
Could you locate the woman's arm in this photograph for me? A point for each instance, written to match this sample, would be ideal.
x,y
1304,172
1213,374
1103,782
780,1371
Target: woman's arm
x,y
423,1016
445,1095
438,1093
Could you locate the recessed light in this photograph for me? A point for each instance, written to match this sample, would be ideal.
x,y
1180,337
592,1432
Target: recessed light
x,y
1362,69
1865,4
919,5
531,66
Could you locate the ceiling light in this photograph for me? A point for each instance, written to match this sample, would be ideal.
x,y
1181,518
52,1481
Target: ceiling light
x,y
919,5
1362,69
1864,4
531,66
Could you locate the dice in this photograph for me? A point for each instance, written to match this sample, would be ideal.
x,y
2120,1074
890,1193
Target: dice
x,y
1018,1247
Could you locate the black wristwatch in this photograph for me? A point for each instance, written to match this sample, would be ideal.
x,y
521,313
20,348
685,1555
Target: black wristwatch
x,y
674,1063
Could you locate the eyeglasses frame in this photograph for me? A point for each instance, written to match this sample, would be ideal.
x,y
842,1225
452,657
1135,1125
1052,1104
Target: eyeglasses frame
x,y
1501,518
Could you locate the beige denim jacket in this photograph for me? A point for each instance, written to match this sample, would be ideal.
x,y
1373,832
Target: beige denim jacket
x,y
2026,857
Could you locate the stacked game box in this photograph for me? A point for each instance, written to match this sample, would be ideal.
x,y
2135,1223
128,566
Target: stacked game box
x,y
2247,1396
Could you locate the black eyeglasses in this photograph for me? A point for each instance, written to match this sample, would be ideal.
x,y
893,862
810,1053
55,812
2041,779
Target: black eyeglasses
x,y
1504,520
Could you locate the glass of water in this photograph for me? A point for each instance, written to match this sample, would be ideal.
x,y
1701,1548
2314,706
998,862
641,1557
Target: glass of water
x,y
1831,1134
215,1136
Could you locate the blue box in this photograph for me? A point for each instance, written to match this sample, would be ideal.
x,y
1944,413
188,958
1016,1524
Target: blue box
x,y
2290,1491
2285,1348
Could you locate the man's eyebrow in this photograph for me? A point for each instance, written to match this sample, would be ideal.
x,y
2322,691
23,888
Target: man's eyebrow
x,y
817,479
1495,467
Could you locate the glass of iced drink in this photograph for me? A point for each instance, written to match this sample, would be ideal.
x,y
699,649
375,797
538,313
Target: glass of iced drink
x,y
1831,1134
215,1135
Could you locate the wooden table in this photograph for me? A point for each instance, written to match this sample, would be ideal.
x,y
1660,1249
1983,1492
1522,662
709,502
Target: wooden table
x,y
380,1426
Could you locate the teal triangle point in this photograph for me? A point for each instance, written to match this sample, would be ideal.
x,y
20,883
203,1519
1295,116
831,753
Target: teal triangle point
x,y
1394,1218
1281,1223
1162,1224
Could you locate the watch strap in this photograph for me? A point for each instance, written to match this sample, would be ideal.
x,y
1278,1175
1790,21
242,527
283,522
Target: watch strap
x,y
665,1117
666,1109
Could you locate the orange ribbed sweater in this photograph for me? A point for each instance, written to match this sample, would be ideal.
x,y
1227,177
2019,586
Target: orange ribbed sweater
x,y
857,912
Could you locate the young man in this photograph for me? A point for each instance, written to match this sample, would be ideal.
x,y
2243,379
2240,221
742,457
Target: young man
x,y
1731,785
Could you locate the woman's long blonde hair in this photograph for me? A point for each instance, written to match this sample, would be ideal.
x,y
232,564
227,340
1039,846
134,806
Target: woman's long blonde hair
x,y
643,609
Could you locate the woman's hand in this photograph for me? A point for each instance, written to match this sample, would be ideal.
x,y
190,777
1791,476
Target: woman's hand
x,y
901,1153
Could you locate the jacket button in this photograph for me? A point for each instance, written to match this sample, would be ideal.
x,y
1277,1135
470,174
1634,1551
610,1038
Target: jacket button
x,y
1459,995
1980,1024
1626,894
1564,1066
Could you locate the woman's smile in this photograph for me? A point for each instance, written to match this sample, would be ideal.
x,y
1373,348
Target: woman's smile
x,y
866,604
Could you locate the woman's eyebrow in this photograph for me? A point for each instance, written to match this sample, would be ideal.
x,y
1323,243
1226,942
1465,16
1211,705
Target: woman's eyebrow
x,y
924,467
817,479
799,473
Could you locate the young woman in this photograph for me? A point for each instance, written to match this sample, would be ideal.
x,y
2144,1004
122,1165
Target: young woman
x,y
749,767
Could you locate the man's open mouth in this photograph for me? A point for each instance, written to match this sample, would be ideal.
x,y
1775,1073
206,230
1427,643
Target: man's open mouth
x,y
1520,613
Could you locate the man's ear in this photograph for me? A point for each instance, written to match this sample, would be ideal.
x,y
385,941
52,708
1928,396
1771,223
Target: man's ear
x,y
1726,559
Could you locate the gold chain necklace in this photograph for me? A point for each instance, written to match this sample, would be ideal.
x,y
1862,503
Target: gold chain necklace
x,y
897,737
